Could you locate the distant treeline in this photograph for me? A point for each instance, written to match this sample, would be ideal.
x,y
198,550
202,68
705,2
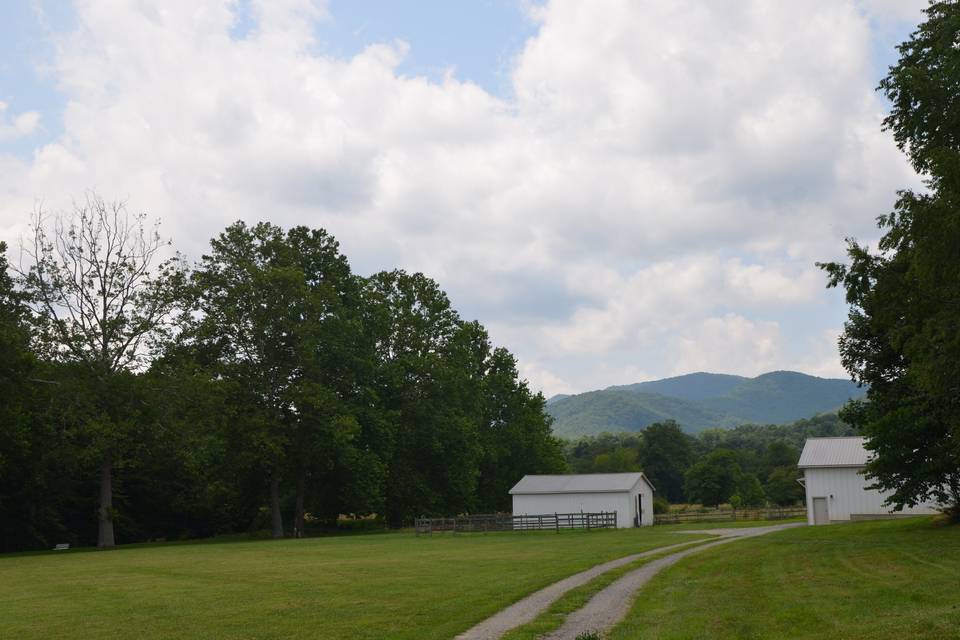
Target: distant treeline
x,y
266,387
748,465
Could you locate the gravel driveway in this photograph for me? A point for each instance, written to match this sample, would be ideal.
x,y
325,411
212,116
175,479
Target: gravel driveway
x,y
608,606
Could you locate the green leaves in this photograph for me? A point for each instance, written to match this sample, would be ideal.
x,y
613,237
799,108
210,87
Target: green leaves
x,y
713,479
901,336
270,373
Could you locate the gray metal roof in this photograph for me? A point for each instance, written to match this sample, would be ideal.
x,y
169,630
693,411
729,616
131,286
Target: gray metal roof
x,y
834,452
579,483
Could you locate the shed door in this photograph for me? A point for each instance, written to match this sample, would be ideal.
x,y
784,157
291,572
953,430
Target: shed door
x,y
820,513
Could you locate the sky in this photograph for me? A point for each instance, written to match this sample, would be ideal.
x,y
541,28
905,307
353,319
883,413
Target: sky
x,y
619,190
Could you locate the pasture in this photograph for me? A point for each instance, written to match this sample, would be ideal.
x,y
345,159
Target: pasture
x,y
392,585
886,579
890,579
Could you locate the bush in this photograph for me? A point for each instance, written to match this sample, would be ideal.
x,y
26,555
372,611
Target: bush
x,y
660,505
361,524
750,491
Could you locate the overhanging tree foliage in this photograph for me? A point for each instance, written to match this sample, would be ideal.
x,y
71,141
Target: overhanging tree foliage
x,y
902,336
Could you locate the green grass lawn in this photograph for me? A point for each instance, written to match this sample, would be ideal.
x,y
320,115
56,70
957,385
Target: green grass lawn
x,y
554,617
739,524
373,586
888,579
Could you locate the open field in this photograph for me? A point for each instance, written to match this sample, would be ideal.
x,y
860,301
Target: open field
x,y
375,586
892,579
888,579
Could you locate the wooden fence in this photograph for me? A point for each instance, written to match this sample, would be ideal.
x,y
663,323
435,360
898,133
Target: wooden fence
x,y
507,522
730,515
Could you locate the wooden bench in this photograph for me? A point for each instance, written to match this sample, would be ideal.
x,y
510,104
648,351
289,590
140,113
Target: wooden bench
x,y
62,547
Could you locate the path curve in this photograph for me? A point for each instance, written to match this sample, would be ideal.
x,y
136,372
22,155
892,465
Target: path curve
x,y
527,609
610,605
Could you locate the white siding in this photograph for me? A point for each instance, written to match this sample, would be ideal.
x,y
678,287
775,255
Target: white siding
x,y
543,503
621,502
646,498
845,489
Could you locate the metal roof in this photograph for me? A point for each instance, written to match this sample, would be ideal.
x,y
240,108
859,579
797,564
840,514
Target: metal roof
x,y
834,452
579,483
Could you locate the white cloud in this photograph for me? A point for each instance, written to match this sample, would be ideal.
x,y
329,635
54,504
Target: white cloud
x,y
18,126
821,357
662,173
891,10
728,343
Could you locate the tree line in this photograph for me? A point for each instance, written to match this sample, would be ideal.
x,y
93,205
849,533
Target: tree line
x,y
749,465
266,386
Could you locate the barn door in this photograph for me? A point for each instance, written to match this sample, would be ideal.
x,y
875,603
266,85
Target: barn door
x,y
820,513
639,519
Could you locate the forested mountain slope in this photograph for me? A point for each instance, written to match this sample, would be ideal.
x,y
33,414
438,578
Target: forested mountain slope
x,y
700,401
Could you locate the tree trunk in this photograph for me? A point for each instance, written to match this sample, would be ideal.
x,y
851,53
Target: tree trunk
x,y
105,538
276,516
298,513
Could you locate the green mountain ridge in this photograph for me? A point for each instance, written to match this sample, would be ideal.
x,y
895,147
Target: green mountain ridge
x,y
692,386
700,401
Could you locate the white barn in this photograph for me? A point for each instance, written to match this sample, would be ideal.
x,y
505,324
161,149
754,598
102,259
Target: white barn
x,y
836,487
629,494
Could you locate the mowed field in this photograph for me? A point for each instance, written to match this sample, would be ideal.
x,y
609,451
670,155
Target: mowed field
x,y
892,579
877,580
372,586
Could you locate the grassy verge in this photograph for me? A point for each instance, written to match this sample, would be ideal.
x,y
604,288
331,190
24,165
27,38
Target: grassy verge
x,y
383,586
889,579
576,598
739,524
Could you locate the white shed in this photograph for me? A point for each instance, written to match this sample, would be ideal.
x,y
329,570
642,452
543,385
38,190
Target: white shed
x,y
629,494
836,487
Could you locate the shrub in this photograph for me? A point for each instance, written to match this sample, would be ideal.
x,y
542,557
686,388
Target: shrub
x,y
361,524
660,505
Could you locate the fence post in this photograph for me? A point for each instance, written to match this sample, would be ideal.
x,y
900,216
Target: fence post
x,y
556,521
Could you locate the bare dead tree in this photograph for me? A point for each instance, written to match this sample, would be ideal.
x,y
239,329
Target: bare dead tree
x,y
103,297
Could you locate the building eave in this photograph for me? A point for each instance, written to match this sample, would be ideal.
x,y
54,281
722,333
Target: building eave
x,y
561,493
832,466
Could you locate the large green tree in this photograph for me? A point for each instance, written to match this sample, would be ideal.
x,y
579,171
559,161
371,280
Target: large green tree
x,y
514,433
429,380
21,454
902,336
714,478
667,453
273,324
103,297
782,487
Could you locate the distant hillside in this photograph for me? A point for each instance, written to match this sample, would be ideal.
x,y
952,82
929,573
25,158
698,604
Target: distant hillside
x,y
693,386
700,401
